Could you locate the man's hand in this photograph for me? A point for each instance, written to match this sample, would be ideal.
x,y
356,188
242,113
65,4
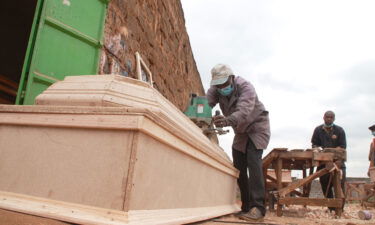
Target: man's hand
x,y
220,121
339,164
340,148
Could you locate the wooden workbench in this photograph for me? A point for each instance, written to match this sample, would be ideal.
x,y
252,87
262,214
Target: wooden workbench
x,y
369,190
306,160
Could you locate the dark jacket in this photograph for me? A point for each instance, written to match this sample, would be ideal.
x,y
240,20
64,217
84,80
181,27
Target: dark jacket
x,y
335,138
245,112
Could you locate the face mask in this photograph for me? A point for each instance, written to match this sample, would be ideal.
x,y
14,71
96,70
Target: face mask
x,y
328,126
373,133
226,91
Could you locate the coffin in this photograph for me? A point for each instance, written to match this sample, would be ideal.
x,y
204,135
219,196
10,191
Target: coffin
x,y
110,150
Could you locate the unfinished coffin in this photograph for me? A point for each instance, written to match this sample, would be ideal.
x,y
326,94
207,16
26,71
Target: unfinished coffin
x,y
98,164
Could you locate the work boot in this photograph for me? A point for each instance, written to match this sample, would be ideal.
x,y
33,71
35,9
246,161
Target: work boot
x,y
240,213
254,215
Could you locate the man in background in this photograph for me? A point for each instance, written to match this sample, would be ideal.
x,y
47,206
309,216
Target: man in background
x,y
371,155
329,135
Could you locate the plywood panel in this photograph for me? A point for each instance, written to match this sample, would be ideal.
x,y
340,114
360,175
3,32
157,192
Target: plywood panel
x,y
74,165
165,178
13,218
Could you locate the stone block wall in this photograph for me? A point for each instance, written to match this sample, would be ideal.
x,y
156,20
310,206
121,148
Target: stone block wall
x,y
156,29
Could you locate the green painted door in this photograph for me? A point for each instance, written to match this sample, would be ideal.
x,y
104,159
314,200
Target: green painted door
x,y
66,39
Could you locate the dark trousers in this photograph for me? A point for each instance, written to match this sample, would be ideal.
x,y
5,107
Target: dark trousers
x,y
252,186
324,182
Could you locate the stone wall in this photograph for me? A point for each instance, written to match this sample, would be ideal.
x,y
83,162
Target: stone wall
x,y
156,29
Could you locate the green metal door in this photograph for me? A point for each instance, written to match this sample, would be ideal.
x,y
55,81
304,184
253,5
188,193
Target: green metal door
x,y
66,39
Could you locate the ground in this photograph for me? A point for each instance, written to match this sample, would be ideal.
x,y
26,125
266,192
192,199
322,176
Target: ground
x,y
295,215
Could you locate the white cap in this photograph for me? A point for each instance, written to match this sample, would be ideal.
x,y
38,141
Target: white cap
x,y
220,74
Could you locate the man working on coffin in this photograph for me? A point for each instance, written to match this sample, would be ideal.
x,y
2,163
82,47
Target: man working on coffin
x,y
246,114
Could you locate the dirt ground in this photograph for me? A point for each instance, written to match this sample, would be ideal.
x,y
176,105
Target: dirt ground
x,y
295,215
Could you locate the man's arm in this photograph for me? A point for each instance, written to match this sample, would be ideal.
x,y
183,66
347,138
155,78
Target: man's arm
x,y
212,96
371,155
342,139
370,152
245,103
315,139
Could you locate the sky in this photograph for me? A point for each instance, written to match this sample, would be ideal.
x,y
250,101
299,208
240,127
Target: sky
x,y
303,57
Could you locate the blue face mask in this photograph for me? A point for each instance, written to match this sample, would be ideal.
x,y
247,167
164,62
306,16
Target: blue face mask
x,y
373,133
331,125
225,91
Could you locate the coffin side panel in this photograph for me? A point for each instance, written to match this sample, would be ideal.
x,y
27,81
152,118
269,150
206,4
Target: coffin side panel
x,y
85,166
165,178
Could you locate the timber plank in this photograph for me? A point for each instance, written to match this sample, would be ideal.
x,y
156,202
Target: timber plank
x,y
296,155
16,218
319,156
64,211
329,202
338,191
8,82
268,159
279,178
8,90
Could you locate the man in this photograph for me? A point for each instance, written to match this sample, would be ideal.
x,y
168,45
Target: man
x,y
371,156
246,114
329,135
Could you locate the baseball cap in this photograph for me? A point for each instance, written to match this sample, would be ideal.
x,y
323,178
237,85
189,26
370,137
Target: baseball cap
x,y
220,74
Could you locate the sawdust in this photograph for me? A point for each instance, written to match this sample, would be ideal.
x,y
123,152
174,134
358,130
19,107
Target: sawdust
x,y
295,215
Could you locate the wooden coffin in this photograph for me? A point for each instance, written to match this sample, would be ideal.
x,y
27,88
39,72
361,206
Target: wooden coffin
x,y
113,152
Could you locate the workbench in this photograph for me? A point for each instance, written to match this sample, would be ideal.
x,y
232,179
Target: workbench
x,y
369,189
297,192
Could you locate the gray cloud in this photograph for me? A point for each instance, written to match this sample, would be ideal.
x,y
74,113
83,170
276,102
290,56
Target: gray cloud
x,y
361,79
356,98
267,80
232,36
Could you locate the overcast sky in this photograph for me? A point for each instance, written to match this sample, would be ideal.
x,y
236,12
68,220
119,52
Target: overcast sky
x,y
304,57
